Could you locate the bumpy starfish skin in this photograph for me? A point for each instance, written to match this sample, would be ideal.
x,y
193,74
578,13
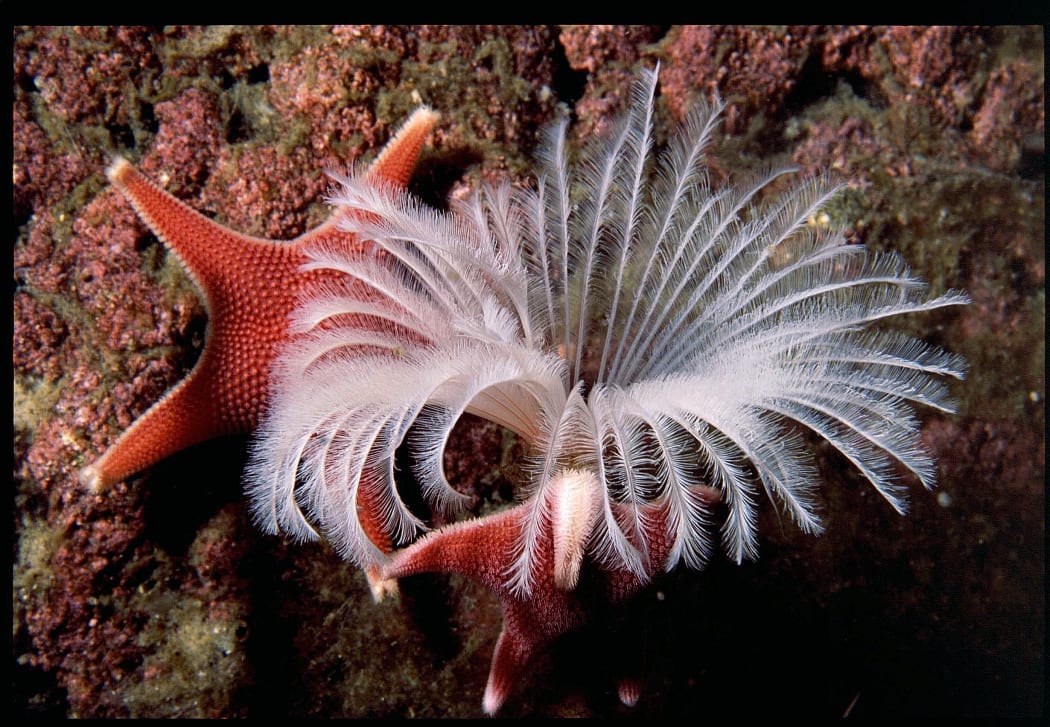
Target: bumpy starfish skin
x,y
250,286
484,550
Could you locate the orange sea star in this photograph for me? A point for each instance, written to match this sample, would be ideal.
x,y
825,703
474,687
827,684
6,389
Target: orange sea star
x,y
250,287
569,589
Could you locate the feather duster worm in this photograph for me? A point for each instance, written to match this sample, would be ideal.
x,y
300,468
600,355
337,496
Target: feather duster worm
x,y
651,338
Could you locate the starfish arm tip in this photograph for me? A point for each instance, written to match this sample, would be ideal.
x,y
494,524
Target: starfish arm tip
x,y
91,477
629,691
399,157
117,169
380,585
493,700
425,116
513,650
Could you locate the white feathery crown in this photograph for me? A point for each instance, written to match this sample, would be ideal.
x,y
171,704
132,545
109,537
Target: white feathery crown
x,y
626,320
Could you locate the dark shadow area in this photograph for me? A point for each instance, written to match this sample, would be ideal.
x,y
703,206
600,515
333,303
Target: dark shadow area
x,y
188,488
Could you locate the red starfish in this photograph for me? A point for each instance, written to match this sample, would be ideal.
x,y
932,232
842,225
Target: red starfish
x,y
250,287
563,597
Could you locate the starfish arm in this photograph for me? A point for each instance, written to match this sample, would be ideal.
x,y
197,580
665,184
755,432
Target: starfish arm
x,y
211,252
208,251
480,549
398,159
160,432
370,508
509,658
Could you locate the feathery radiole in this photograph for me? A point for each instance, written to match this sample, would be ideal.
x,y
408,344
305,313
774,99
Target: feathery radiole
x,y
627,321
